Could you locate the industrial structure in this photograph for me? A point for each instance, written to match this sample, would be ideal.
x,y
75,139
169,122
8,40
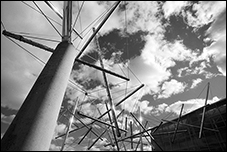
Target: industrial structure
x,y
213,136
203,129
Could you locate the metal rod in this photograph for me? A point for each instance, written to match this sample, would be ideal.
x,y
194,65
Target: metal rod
x,y
152,132
131,134
67,21
33,127
99,121
204,110
98,28
126,125
102,69
88,124
116,105
107,87
87,127
84,135
53,8
115,138
141,137
69,125
174,135
25,40
146,131
103,133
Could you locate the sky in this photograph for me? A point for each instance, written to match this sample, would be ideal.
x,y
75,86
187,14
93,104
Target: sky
x,y
174,48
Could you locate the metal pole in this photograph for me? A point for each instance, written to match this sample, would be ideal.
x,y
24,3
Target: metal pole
x,y
98,28
25,40
107,88
174,135
146,131
69,126
131,134
204,110
33,127
67,21
102,69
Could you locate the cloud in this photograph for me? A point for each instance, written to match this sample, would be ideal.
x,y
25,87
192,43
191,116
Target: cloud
x,y
195,82
59,129
171,87
159,109
173,7
189,105
54,147
7,119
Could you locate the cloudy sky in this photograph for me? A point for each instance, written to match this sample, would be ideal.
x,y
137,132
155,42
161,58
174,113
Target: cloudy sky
x,y
173,48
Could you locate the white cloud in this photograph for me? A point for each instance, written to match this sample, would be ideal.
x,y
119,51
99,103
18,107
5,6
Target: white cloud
x,y
173,7
195,82
59,129
205,12
189,105
54,147
7,119
171,87
159,109
144,106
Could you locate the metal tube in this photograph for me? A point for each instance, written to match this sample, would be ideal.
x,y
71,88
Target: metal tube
x,y
25,40
102,69
131,134
33,127
67,21
53,8
146,131
88,124
87,127
84,135
98,28
174,135
107,87
204,110
99,121
69,126
103,133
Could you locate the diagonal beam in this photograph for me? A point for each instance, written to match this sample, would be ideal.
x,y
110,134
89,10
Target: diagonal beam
x,y
28,41
99,121
98,28
109,110
107,88
102,69
146,131
174,135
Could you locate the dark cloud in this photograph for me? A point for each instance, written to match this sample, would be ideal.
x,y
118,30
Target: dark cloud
x,y
115,41
192,38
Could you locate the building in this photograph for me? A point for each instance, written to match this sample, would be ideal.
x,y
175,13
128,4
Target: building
x,y
213,134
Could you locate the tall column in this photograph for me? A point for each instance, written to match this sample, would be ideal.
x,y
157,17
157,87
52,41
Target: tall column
x,y
33,127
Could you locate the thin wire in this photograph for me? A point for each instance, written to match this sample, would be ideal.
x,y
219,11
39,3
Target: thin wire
x,y
34,34
40,38
38,59
3,25
47,19
96,20
78,14
40,12
41,61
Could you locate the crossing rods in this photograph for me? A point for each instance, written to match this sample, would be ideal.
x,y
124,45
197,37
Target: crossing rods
x,y
33,127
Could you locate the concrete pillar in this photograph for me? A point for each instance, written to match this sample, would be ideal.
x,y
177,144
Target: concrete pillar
x,y
33,127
